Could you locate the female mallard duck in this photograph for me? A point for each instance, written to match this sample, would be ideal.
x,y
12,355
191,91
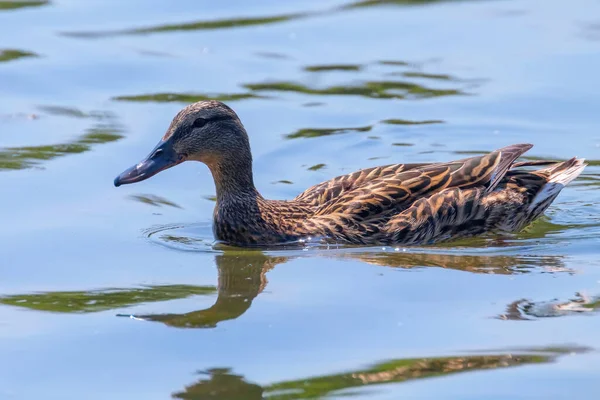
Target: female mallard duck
x,y
392,204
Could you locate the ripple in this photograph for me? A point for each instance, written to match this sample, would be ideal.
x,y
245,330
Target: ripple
x,y
395,121
226,23
591,31
320,132
410,86
7,55
525,309
16,4
183,237
442,77
378,3
317,167
73,112
333,67
105,129
222,383
380,89
104,299
490,255
31,156
230,23
153,200
187,97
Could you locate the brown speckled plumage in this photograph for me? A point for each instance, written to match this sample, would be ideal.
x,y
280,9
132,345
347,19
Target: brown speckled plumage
x,y
393,204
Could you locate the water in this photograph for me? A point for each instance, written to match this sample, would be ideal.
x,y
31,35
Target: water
x,y
121,294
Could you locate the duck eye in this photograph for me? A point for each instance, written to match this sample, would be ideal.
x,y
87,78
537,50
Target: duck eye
x,y
199,122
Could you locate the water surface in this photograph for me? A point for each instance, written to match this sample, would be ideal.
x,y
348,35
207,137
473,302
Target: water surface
x,y
121,293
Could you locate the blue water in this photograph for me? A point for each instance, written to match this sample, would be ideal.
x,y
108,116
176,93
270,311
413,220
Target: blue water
x,y
122,294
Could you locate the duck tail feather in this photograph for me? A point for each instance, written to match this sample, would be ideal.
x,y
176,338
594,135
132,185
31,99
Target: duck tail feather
x,y
557,177
567,171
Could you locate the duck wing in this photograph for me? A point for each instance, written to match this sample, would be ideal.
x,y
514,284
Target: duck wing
x,y
381,197
324,192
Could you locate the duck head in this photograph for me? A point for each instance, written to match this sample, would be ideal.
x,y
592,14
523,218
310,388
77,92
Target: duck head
x,y
206,131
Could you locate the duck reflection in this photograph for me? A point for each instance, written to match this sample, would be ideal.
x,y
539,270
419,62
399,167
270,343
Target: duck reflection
x,y
242,276
480,264
220,383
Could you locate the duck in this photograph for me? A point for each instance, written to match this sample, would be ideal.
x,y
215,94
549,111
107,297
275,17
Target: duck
x,y
397,204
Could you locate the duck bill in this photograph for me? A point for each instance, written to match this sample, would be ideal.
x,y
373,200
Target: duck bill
x,y
162,157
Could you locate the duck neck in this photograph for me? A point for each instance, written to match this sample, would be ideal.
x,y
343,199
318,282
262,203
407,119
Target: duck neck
x,y
233,180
